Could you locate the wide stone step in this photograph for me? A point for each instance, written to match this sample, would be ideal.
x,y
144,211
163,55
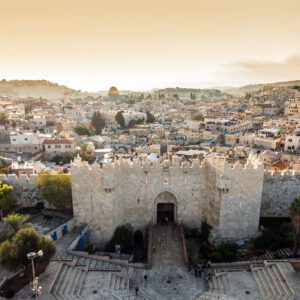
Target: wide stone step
x,y
79,282
58,279
64,280
258,283
112,281
73,287
70,282
93,264
288,290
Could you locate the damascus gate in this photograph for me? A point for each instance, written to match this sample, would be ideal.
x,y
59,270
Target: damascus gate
x,y
143,193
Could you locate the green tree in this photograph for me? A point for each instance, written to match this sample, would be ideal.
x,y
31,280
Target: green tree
x,y
14,253
295,216
85,154
28,108
130,101
3,119
15,222
97,122
56,188
3,170
120,119
82,130
150,118
205,230
198,117
7,200
123,236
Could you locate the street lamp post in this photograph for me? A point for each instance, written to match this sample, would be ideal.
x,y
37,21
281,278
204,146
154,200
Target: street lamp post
x,y
35,287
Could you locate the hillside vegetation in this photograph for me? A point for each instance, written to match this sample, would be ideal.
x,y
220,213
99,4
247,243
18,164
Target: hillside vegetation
x,y
35,89
256,87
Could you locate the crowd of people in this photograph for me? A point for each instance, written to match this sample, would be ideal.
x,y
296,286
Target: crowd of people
x,y
204,267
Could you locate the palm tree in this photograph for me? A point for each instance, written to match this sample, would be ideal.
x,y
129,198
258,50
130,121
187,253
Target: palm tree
x,y
16,222
295,216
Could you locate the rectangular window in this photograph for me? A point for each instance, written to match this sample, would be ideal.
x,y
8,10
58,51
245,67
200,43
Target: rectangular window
x,y
49,146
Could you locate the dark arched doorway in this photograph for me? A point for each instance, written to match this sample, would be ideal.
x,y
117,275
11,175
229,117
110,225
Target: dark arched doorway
x,y
165,210
165,206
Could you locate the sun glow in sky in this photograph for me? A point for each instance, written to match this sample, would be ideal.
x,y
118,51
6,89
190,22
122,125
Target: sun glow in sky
x,y
138,44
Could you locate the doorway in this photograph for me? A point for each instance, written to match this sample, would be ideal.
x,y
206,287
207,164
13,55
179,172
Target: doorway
x,y
165,210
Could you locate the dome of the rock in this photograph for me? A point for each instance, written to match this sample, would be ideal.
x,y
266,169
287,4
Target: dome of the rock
x,y
113,91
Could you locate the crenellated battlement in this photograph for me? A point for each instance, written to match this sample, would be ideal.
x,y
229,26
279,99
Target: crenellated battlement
x,y
218,162
24,189
287,172
22,179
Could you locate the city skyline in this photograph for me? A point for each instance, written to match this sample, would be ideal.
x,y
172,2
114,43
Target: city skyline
x,y
134,45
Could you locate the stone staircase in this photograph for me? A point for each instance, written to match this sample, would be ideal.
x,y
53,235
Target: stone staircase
x,y
68,282
284,253
219,282
170,249
94,264
70,279
272,283
90,278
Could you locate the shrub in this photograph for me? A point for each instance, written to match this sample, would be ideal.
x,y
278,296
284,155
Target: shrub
x,y
56,188
205,230
9,293
123,236
4,235
228,250
15,222
215,256
259,242
89,249
7,201
206,248
14,253
82,130
138,237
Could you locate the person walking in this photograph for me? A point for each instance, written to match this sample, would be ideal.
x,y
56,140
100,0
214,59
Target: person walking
x,y
154,248
208,264
136,290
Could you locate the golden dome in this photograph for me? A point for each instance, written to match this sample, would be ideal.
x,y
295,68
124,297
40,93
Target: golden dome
x,y
113,91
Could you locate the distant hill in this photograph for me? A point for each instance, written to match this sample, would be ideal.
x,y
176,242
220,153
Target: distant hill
x,y
206,93
256,87
35,89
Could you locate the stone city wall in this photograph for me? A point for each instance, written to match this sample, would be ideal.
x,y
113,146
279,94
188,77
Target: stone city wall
x,y
128,192
279,190
240,200
24,189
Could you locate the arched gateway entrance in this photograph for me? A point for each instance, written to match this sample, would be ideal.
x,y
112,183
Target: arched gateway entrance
x,y
165,206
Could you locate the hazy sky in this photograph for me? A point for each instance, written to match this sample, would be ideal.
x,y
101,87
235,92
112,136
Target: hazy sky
x,y
142,44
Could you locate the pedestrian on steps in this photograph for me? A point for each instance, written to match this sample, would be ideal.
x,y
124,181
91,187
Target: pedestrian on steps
x,y
154,248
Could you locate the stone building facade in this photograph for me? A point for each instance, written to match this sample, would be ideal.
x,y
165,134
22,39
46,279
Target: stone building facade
x,y
229,197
